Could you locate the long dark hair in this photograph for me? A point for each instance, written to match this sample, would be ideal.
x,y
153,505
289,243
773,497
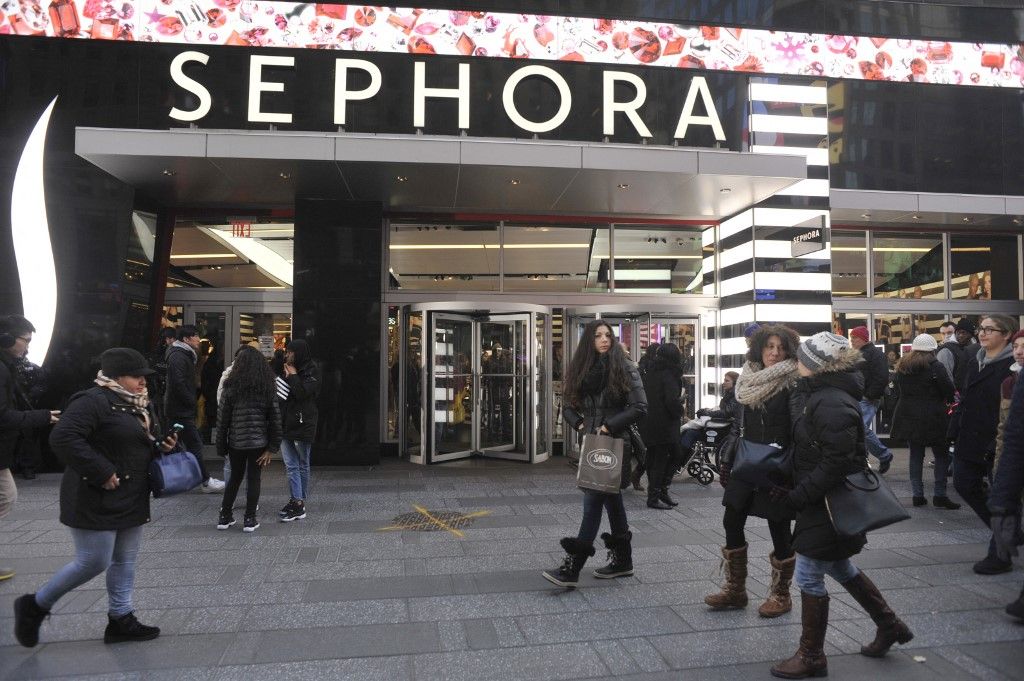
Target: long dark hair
x,y
915,361
585,357
250,377
669,356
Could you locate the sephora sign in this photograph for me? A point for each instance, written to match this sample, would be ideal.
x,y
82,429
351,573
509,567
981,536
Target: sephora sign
x,y
444,95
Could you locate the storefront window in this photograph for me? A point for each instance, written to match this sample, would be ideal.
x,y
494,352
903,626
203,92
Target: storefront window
x,y
893,334
849,263
843,322
908,265
555,259
984,267
438,257
658,260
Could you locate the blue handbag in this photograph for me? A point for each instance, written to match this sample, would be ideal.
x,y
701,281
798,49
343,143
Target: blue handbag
x,y
174,473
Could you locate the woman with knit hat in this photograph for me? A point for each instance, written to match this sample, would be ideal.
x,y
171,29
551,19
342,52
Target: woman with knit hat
x,y
762,391
828,445
925,390
1017,343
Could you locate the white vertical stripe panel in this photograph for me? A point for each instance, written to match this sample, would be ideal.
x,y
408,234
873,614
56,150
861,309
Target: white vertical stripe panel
x,y
729,287
734,346
740,253
707,237
806,188
784,217
793,281
744,314
794,313
801,94
815,157
764,248
798,125
736,224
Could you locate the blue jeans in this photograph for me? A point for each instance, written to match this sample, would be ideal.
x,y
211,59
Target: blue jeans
x,y
95,551
941,454
810,573
874,445
296,464
593,504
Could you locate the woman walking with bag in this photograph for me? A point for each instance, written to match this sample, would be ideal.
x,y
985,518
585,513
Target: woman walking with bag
x,y
602,394
925,389
106,438
249,432
663,383
828,445
762,391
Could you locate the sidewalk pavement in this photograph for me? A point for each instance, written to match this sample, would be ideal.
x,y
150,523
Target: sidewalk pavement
x,y
337,597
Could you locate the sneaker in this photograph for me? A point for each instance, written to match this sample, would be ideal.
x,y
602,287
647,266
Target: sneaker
x,y
884,464
287,508
6,573
212,485
945,502
920,501
226,520
127,628
991,565
28,617
250,524
296,512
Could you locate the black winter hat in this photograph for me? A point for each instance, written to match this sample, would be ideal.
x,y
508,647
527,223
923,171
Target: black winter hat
x,y
124,362
967,325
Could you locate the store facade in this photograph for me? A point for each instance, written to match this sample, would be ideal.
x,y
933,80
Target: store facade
x,y
439,199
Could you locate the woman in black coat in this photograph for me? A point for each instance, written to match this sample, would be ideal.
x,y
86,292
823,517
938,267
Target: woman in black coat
x,y
924,390
663,383
106,438
828,445
248,433
298,390
763,392
602,393
975,424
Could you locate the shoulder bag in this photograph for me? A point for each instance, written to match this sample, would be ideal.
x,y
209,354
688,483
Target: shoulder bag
x,y
760,465
863,502
174,473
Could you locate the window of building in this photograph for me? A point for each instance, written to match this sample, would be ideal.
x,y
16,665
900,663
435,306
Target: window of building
x,y
444,257
984,267
908,265
555,259
849,263
658,260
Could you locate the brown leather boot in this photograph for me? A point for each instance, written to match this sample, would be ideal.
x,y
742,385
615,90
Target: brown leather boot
x,y
809,659
734,591
891,628
778,601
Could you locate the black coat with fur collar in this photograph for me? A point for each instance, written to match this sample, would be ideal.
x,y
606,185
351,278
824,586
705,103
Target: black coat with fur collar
x,y
828,445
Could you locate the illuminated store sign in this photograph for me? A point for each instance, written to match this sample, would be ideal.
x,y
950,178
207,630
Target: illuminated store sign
x,y
365,28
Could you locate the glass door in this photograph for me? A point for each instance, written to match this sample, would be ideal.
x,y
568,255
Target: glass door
x,y
504,387
683,334
451,394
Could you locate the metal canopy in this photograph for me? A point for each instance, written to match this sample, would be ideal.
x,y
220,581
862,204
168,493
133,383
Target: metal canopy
x,y
438,174
924,210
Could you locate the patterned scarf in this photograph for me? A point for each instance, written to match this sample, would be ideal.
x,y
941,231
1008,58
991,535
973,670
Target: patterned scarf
x,y
756,385
139,402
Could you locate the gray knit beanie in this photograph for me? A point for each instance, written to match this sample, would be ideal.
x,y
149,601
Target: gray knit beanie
x,y
821,349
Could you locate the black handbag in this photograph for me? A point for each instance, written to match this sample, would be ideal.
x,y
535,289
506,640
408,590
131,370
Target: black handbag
x,y
760,465
863,502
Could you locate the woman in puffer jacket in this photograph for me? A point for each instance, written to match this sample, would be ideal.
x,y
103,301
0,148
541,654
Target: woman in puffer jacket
x,y
248,433
828,445
603,393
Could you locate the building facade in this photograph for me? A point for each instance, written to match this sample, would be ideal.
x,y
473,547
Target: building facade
x,y
439,197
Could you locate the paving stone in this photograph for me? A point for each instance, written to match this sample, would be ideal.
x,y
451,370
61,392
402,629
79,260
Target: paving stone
x,y
990,659
325,643
533,663
362,669
946,629
595,626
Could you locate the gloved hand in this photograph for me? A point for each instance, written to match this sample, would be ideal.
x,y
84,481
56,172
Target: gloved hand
x,y
1005,530
723,474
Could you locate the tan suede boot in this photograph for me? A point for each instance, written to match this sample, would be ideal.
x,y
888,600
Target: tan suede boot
x,y
809,659
734,591
778,601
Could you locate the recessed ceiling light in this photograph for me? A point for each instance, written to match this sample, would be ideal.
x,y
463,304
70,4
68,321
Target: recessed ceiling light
x,y
725,190
401,178
1018,221
865,215
285,176
168,172
966,219
915,217
513,182
623,185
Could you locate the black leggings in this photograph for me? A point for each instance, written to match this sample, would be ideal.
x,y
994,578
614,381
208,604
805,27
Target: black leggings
x,y
243,462
782,533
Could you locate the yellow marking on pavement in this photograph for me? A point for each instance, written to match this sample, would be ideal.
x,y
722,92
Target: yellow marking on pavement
x,y
441,524
429,520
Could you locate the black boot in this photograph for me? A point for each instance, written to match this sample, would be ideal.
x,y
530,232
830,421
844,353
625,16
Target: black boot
x,y
127,628
28,617
576,553
620,555
654,499
1016,609
669,472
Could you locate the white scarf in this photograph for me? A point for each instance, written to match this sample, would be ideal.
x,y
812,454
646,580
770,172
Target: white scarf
x,y
756,385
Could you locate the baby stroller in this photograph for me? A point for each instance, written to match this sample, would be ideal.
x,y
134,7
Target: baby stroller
x,y
704,437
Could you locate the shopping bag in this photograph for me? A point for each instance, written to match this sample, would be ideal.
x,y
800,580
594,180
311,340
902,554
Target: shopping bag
x,y
600,467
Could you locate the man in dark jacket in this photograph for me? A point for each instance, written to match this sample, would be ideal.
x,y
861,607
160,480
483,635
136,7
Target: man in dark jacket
x,y
180,399
876,376
16,414
1004,501
157,381
957,349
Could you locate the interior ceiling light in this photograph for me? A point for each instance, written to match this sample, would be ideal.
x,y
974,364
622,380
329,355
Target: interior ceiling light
x,y
623,185
915,217
168,172
513,182
865,215
401,178
285,176
1018,221
966,219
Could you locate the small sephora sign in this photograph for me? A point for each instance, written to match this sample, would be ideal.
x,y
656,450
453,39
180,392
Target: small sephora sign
x,y
811,237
